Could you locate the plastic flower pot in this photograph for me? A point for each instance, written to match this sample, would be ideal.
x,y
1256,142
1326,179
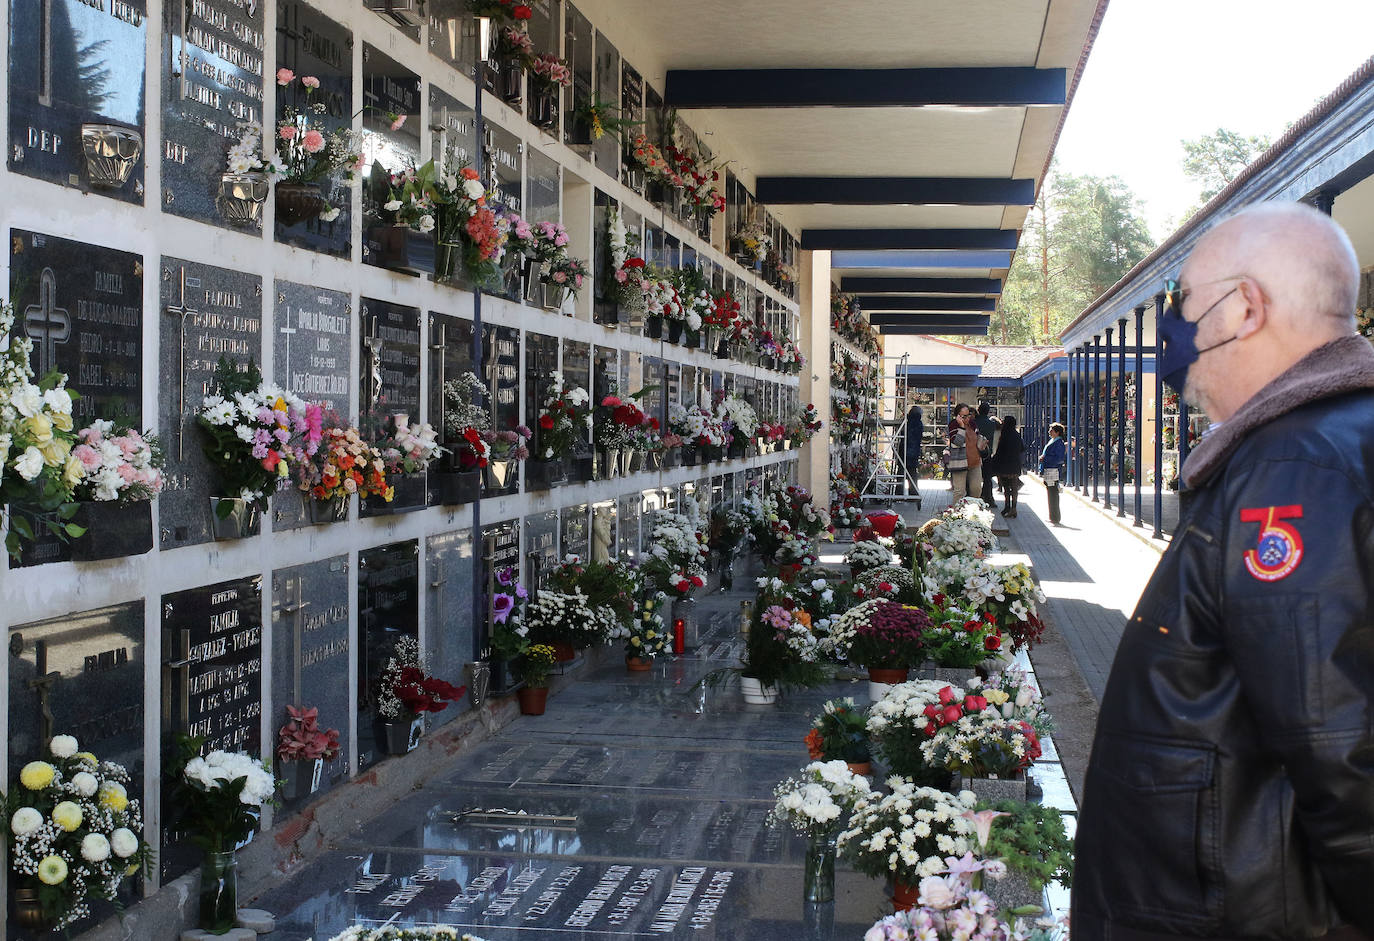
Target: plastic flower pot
x,y
457,487
239,520
533,700
332,510
113,530
299,202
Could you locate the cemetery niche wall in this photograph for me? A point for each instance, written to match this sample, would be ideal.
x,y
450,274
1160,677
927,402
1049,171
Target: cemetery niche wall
x,y
137,297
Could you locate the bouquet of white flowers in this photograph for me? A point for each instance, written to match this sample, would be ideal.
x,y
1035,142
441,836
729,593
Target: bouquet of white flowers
x,y
735,409
813,804
407,448
219,795
569,618
908,833
74,833
870,553
119,463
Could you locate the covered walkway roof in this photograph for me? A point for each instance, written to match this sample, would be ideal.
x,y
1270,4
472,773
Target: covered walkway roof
x,y
920,165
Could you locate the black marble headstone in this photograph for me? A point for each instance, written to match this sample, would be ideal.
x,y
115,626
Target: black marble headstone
x,y
605,373
541,546
544,188
541,361
212,82
453,131
450,356
309,43
453,35
390,91
388,608
500,549
631,108
627,525
504,171
581,58
606,152
310,650
575,531
207,313
390,364
76,71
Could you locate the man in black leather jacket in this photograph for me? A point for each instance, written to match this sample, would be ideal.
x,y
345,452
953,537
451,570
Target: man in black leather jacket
x,y
1230,792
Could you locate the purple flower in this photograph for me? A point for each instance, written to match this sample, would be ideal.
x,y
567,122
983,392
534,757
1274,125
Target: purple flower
x,y
259,451
521,593
264,415
501,607
524,432
506,575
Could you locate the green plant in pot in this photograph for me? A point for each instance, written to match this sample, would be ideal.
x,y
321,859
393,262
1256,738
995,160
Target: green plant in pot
x,y
1030,841
840,733
536,665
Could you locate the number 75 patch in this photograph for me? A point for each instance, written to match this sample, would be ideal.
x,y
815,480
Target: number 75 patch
x,y
1278,551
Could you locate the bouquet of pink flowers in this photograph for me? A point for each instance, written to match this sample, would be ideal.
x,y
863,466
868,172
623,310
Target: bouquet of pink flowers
x,y
118,463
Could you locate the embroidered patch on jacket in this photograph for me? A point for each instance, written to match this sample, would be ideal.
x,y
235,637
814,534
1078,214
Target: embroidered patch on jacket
x,y
1278,550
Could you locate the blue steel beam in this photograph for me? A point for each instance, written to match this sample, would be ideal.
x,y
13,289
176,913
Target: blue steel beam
x,y
1007,87
922,305
916,239
893,191
921,259
856,284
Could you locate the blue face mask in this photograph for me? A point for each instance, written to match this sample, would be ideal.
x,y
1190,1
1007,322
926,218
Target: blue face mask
x,y
1178,340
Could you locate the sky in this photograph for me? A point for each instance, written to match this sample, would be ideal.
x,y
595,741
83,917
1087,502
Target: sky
x,y
1162,71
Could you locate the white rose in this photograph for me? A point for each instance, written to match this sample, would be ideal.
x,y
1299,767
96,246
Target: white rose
x,y
392,206
27,400
473,189
426,224
25,821
58,400
30,463
86,784
95,848
63,746
124,843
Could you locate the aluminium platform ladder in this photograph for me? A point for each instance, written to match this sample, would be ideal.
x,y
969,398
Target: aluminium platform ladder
x,y
891,480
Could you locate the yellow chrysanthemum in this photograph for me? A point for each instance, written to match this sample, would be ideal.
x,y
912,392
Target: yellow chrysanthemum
x,y
88,758
67,815
113,796
52,870
36,775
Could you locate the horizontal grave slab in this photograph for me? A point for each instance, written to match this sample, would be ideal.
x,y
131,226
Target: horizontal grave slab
x,y
501,897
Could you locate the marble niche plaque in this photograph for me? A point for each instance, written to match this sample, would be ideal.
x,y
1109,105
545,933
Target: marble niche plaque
x,y
545,184
581,58
453,131
453,35
632,108
389,90
501,373
312,357
627,525
211,84
82,675
76,94
450,356
449,639
606,152
388,609
310,653
390,370
500,548
309,43
207,313
541,547
541,362
211,684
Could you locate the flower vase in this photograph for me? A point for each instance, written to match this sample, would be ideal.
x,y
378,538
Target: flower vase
x,y
552,296
510,81
27,912
533,283
219,892
639,664
688,455
113,530
498,474
233,518
607,463
564,653
533,700
402,737
300,778
862,768
675,331
756,694
111,152
332,510
241,197
544,109
455,488
653,327
299,202
818,881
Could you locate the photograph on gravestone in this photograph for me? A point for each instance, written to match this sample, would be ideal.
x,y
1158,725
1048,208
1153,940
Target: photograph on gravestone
x,y
82,307
604,535
390,387
541,547
311,356
606,152
391,94
575,532
80,674
627,525
449,633
311,44
454,35
211,685
388,609
580,56
500,557
501,368
450,360
207,313
76,94
310,665
212,94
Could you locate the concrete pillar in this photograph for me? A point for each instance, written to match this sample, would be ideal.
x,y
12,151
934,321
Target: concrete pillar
x,y
814,301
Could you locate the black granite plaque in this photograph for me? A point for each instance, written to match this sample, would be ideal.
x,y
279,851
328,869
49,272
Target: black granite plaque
x,y
76,93
211,84
453,35
207,313
453,131
82,675
500,549
390,365
310,652
580,55
503,167
541,546
606,152
577,364
605,373
390,92
541,362
544,186
604,309
627,526
309,43
654,402
449,630
653,250
650,501
632,108
575,531
672,384
450,356
501,373
388,609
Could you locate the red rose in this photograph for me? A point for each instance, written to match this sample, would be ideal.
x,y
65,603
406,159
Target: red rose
x,y
952,713
546,422
697,582
931,729
947,695
973,627
931,711
522,12
992,642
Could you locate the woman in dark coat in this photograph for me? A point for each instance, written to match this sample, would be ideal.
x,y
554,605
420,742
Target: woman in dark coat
x,y
1006,464
913,430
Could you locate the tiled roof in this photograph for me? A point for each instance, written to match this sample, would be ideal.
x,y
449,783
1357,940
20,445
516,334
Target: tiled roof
x,y
1013,362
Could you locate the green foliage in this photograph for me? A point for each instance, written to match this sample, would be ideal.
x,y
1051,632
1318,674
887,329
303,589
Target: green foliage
x,y
613,585
1214,160
1031,839
536,665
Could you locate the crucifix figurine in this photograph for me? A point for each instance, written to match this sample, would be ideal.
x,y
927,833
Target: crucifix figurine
x,y
182,311
373,343
42,684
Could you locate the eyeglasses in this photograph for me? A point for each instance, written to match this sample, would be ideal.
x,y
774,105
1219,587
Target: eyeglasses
x,y
1175,293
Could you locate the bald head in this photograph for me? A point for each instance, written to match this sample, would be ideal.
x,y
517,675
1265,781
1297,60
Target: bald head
x,y
1301,258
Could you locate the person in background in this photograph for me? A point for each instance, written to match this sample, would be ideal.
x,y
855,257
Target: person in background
x,y
987,430
964,461
913,431
1053,459
1006,464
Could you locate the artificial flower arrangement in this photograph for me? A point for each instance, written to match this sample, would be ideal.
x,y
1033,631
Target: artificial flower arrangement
x,y
820,800
677,555
302,739
904,718
949,908
886,635
959,640
408,448
698,426
550,73
721,319
782,515
405,689
868,554
846,505
568,618
255,433
738,417
74,833
646,155
556,266
564,419
611,585
509,632
694,298
963,529
467,227
981,743
118,462
615,419
625,269
839,733
646,636
466,422
513,46
501,10
602,117
646,438
786,647
661,299
1007,592
907,834
37,469
893,582
752,242
790,356
403,198
344,464
307,151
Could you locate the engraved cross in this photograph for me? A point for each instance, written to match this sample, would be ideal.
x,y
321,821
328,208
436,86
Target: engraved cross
x,y
46,323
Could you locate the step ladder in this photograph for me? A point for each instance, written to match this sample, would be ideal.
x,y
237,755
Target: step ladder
x,y
891,480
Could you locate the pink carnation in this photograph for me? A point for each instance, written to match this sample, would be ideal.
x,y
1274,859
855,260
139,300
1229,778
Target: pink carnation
x,y
288,132
310,81
285,76
313,142
87,455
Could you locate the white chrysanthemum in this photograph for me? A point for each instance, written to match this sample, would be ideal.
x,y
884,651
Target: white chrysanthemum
x,y
26,820
63,746
95,848
85,783
124,843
